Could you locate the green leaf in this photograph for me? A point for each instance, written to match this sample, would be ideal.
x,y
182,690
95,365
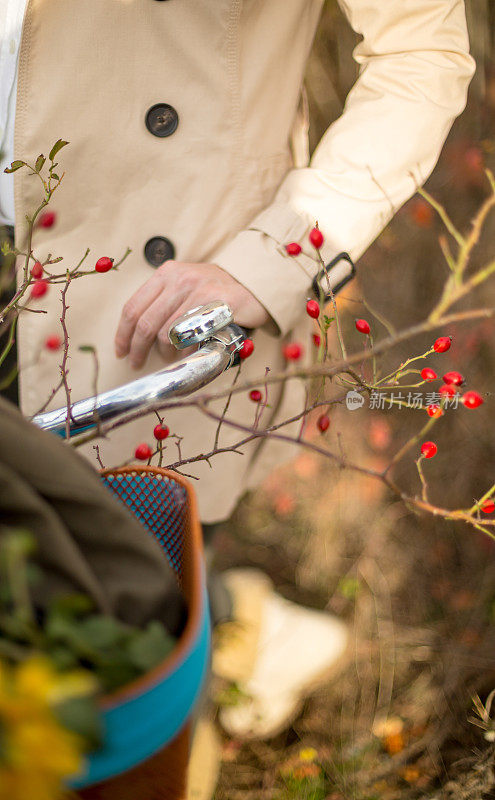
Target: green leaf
x,y
55,176
7,250
15,166
39,162
147,648
60,627
56,147
101,632
71,605
81,715
116,673
87,348
63,658
91,638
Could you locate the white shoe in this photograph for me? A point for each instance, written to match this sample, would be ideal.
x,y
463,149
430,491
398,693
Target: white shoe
x,y
297,647
235,642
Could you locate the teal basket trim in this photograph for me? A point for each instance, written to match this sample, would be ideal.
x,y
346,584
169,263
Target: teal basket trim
x,y
142,726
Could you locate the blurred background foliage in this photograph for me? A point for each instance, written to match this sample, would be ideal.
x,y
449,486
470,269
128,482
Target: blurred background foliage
x,y
418,593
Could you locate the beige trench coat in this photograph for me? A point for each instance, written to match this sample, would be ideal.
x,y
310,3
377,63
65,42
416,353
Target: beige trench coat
x,y
230,186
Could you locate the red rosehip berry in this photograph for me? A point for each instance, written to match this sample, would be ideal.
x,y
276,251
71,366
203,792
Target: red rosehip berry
x,y
488,507
316,238
442,344
293,248
428,374
255,395
143,452
472,399
362,326
448,389
292,351
39,288
47,219
247,349
429,449
453,377
316,340
313,309
53,342
104,264
422,213
434,411
37,270
323,423
474,159
160,432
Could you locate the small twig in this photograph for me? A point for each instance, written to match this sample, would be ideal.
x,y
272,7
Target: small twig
x,y
178,442
63,367
226,408
424,487
334,305
96,448
385,322
304,417
443,216
50,398
10,341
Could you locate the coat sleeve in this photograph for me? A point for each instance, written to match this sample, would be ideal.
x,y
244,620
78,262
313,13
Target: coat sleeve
x,y
414,71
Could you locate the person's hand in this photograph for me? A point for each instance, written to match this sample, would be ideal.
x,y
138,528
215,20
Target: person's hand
x,y
177,287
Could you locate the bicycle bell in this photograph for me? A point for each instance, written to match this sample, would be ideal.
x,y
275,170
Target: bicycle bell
x,y
200,324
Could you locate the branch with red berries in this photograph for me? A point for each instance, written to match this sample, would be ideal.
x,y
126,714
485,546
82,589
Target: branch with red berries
x,y
37,277
348,371
425,448
328,380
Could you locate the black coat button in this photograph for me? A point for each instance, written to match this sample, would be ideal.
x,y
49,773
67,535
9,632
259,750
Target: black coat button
x,y
158,250
162,120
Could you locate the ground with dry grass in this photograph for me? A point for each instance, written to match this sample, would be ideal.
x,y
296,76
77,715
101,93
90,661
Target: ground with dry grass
x,y
420,601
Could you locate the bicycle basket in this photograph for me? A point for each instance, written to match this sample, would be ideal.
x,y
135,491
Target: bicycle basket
x,y
144,717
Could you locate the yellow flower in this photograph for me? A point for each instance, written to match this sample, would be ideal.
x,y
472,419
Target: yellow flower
x,y
36,752
308,754
37,679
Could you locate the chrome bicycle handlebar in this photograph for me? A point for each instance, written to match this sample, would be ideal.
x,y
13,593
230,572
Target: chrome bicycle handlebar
x,y
212,327
219,339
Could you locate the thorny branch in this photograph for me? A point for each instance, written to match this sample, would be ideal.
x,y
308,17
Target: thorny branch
x,y
348,368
